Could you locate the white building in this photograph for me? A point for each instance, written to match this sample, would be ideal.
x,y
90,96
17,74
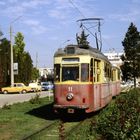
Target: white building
x,y
45,72
114,57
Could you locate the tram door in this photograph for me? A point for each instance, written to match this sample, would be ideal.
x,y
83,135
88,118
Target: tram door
x,y
97,83
95,71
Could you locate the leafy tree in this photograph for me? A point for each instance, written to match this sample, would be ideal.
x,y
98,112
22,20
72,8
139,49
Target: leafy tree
x,y
19,44
26,72
4,61
82,40
27,67
23,59
126,71
131,55
1,33
35,73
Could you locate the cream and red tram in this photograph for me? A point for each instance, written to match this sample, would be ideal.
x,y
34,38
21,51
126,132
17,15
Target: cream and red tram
x,y
84,79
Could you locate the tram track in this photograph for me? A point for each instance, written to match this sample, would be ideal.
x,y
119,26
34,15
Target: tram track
x,y
55,130
73,128
70,130
46,127
59,129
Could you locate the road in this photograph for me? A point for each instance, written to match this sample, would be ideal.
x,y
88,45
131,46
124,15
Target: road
x,y
10,99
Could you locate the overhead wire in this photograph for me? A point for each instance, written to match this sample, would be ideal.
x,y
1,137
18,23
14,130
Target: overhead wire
x,y
70,1
76,7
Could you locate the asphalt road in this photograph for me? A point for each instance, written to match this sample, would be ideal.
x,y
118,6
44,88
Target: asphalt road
x,y
10,99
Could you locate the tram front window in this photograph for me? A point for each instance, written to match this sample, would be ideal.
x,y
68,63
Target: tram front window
x,y
70,73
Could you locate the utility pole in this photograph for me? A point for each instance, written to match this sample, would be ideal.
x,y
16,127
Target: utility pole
x,y
11,47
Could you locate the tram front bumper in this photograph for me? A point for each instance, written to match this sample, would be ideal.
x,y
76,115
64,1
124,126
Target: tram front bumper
x,y
71,106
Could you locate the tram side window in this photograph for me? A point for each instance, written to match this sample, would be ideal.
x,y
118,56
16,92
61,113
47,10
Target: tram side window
x,y
118,74
98,71
106,77
114,75
84,72
91,70
57,72
107,71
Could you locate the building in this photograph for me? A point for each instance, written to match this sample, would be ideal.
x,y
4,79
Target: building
x,y
46,73
114,57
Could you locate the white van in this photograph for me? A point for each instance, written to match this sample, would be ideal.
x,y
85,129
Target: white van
x,y
35,87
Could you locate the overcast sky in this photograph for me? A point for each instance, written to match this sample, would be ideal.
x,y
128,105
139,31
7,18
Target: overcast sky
x,y
48,24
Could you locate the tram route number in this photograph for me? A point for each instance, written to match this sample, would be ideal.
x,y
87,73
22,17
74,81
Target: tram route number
x,y
71,110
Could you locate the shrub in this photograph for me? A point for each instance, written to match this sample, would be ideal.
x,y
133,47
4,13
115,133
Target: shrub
x,y
121,119
6,106
35,100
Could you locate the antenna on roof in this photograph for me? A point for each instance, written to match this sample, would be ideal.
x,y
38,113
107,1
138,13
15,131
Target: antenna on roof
x,y
91,22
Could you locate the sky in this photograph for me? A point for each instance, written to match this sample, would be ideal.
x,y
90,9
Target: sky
x,y
51,24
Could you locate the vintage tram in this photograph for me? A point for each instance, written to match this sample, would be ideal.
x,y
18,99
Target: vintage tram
x,y
84,79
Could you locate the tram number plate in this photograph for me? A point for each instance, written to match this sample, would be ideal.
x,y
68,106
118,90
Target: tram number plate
x,y
70,110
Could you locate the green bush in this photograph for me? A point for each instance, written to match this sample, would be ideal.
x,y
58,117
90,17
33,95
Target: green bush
x,y
6,106
121,119
35,100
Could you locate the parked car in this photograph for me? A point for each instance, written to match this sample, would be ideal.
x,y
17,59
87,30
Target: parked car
x,y
16,88
35,87
124,85
47,85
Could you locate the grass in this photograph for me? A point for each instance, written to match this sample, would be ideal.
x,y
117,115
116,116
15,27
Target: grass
x,y
19,120
22,119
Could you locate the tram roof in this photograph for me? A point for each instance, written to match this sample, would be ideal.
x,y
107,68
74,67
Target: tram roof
x,y
80,51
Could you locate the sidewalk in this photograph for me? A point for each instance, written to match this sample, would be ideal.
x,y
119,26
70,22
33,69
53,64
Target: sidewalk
x,y
15,98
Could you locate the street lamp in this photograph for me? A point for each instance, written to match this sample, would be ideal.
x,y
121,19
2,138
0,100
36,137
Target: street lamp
x,y
11,47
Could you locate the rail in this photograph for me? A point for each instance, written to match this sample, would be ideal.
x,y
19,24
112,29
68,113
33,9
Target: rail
x,y
39,131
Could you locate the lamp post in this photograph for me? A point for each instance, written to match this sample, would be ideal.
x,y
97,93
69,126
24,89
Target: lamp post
x,y
11,47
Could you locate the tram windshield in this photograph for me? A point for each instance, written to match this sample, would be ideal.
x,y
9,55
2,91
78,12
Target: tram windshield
x,y
70,73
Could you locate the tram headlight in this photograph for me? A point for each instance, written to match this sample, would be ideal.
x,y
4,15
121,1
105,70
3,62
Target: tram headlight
x,y
69,96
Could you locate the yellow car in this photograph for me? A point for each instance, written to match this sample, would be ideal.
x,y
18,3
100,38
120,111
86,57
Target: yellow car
x,y
17,87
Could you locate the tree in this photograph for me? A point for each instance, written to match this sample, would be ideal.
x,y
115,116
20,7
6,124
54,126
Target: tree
x,y
1,33
131,55
126,71
4,62
35,73
82,40
23,59
19,44
27,67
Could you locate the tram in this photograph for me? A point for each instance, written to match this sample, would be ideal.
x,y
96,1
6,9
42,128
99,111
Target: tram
x,y
85,80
